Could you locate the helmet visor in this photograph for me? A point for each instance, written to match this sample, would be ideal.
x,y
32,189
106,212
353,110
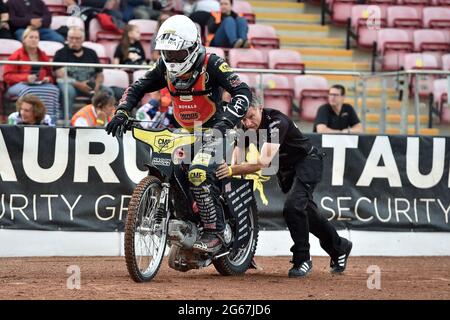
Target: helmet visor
x,y
175,56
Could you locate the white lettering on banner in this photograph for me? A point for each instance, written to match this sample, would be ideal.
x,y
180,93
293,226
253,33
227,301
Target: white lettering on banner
x,y
357,206
31,151
111,209
415,210
339,144
20,209
6,168
412,164
71,207
404,211
129,159
381,149
446,211
49,196
101,162
123,206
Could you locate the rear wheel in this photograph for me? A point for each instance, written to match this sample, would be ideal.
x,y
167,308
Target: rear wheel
x,y
238,262
145,236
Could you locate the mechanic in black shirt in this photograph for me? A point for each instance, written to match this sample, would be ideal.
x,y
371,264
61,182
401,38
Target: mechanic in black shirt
x,y
300,169
195,81
337,116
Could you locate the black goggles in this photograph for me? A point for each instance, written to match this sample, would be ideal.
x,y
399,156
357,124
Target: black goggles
x,y
175,56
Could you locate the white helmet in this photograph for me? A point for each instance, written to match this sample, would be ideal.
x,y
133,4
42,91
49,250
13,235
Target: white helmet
x,y
178,39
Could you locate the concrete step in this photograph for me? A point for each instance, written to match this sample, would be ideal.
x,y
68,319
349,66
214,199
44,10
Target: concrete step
x,y
275,6
295,29
375,103
279,17
309,41
396,118
411,131
336,65
374,92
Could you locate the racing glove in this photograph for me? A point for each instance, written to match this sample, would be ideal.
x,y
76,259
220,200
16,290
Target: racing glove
x,y
117,124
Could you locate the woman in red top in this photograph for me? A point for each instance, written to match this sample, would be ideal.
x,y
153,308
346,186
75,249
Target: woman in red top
x,y
37,80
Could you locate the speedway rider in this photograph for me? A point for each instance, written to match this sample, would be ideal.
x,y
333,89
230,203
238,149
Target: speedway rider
x,y
195,81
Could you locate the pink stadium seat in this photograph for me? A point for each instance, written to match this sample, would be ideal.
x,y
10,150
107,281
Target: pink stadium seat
x,y
99,49
446,62
421,61
341,10
50,47
392,45
216,50
436,18
361,17
440,99
147,28
244,9
108,39
403,17
277,93
263,36
68,21
247,58
56,7
310,92
431,41
286,59
116,78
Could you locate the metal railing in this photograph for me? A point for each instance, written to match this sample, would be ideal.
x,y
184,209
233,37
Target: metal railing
x,y
360,80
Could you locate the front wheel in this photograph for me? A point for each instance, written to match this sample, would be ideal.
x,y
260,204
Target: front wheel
x,y
238,262
145,236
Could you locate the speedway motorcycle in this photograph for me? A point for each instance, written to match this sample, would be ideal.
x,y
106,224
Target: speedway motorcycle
x,y
162,213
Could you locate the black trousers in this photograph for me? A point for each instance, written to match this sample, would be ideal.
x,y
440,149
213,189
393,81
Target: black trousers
x,y
302,215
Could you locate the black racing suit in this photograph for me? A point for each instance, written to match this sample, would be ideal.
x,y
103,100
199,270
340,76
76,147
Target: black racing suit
x,y
211,74
299,171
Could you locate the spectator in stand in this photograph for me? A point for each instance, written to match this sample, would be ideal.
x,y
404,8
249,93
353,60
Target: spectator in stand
x,y
25,79
229,29
202,13
31,111
83,81
337,116
35,13
5,31
142,9
130,50
155,54
97,114
158,111
111,7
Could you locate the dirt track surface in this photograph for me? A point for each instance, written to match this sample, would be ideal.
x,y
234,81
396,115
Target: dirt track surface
x,y
107,278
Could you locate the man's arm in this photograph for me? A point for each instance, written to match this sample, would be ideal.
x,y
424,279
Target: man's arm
x,y
357,128
240,92
268,152
323,128
99,78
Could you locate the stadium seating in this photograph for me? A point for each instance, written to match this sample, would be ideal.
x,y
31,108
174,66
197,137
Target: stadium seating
x,y
216,50
6,49
247,58
310,92
285,59
446,62
56,7
431,41
115,78
50,47
108,39
68,21
263,37
365,22
421,61
244,9
341,10
392,45
403,17
99,49
440,99
277,93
